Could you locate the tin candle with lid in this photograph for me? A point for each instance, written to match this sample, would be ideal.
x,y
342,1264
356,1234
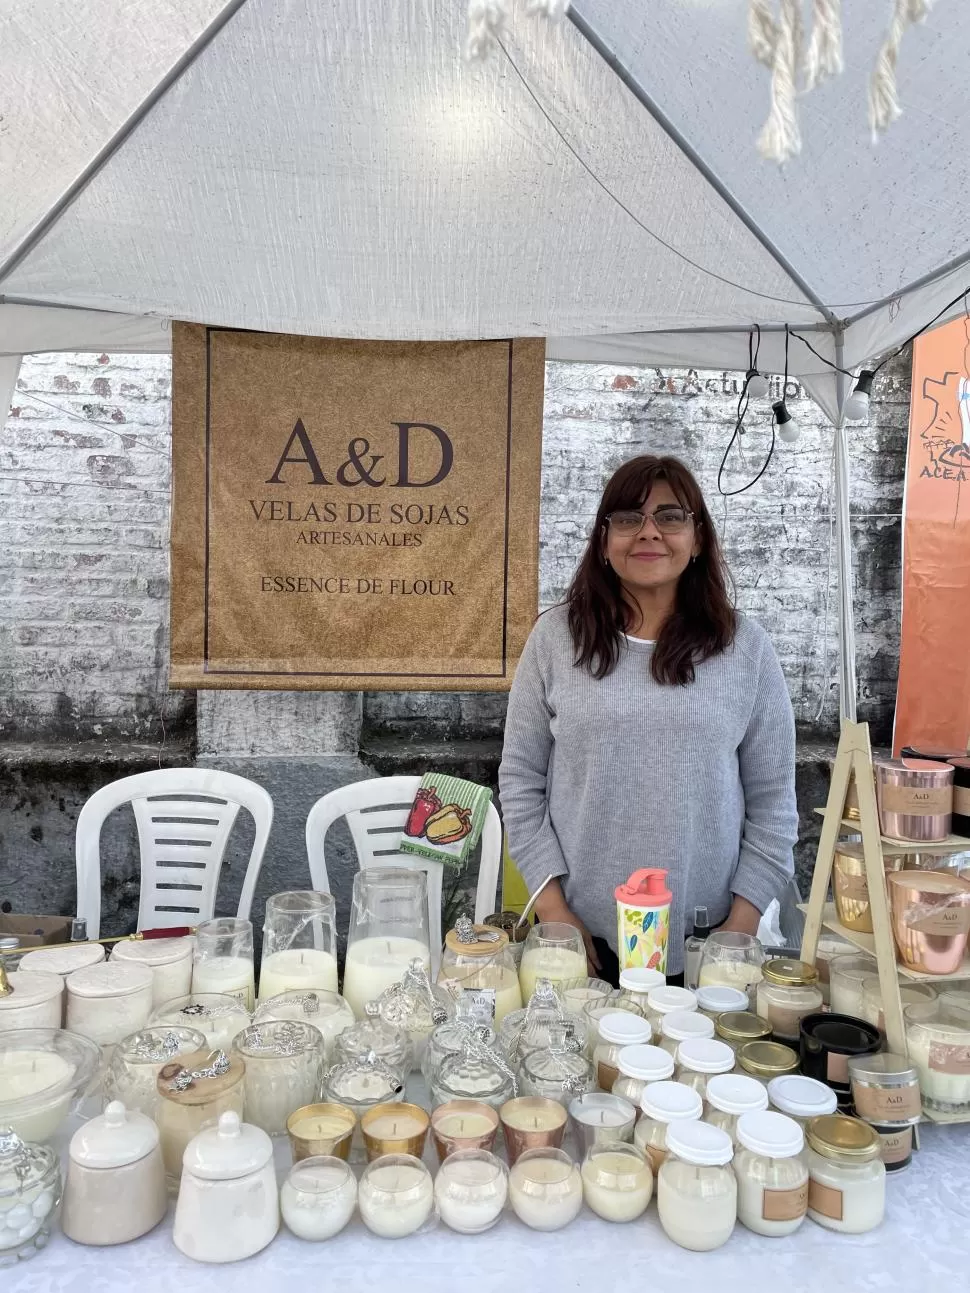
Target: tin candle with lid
x,y
885,1092
828,1041
915,798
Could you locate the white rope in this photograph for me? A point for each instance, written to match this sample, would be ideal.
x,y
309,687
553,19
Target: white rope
x,y
762,31
823,57
780,138
486,23
551,9
884,105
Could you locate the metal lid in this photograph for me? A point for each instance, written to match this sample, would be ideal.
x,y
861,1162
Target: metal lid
x,y
788,973
680,1025
882,1070
700,1055
467,939
671,1102
116,1138
801,1097
700,1143
770,1134
849,1140
737,1094
648,1063
227,1151
742,1026
767,1059
9,943
718,1000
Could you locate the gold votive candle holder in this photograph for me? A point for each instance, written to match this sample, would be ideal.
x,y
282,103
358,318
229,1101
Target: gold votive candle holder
x,y
532,1122
396,1128
463,1124
317,1129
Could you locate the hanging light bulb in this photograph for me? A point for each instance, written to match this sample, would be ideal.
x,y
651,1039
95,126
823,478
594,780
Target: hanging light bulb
x,y
857,405
785,427
756,384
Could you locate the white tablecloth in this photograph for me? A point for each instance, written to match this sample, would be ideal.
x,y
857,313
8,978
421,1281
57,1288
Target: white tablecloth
x,y
924,1243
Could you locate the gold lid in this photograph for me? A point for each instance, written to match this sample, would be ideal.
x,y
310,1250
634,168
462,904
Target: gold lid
x,y
767,1059
848,1139
741,1026
488,941
789,974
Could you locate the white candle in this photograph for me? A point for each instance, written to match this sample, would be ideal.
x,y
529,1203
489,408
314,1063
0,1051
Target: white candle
x,y
29,1073
318,1198
299,970
170,961
330,1015
231,976
617,1185
62,958
277,1084
109,1001
395,1126
219,1019
546,1191
558,964
470,1190
395,1197
34,1003
373,964
463,1126
528,1113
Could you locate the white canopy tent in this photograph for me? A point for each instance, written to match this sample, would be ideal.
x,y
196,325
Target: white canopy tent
x,y
336,168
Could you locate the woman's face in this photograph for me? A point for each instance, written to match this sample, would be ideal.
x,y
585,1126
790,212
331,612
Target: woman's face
x,y
654,557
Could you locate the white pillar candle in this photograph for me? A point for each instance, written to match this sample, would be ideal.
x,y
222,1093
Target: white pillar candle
x,y
617,1184
231,976
109,1001
395,1196
558,964
318,1197
470,1190
170,961
545,1189
299,970
373,964
35,1001
30,1073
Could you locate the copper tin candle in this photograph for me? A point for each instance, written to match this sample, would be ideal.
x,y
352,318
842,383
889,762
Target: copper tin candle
x,y
463,1124
394,1129
961,796
931,919
532,1122
320,1129
915,798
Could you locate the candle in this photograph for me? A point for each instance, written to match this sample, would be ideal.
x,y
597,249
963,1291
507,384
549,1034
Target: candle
x,y
394,1129
284,1069
326,1011
216,1017
470,1190
321,1130
598,1117
374,964
318,1197
29,1073
132,1074
461,1125
558,964
531,1122
170,961
545,1189
297,969
108,1002
617,1182
230,976
182,1113
35,1001
396,1196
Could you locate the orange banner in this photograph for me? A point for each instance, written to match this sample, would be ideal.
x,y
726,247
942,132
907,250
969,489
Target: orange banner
x,y
933,697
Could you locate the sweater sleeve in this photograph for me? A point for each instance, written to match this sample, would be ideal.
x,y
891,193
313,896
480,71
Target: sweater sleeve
x,y
526,755
766,760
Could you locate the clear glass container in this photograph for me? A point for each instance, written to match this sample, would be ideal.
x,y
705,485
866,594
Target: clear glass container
x,y
846,976
131,1076
395,1196
284,1069
30,1190
910,994
388,930
729,1095
318,1197
328,1012
530,1029
477,964
216,1016
697,1191
223,960
738,1027
545,1189
450,1037
559,1073
829,947
470,1190
767,1060
801,1098
700,1059
661,1104
731,960
591,992
372,1034
635,986
847,1178
416,1006
716,1001
553,951
617,1181
772,1174
682,1026
43,1072
479,1072
665,1001
361,1083
938,1039
616,1029
638,1067
788,991
193,1092
299,944
593,1014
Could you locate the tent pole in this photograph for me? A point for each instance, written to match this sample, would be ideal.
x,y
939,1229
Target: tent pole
x,y
9,371
843,532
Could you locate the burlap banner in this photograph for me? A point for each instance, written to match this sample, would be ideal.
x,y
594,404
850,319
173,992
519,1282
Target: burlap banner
x,y
353,514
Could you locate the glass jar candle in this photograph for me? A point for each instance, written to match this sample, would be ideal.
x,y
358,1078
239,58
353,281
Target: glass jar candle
x,y
697,1191
30,1190
772,1174
416,1006
471,1190
461,1125
553,951
716,1000
391,1045
477,1072
617,1181
395,1196
219,1018
829,947
638,1066
450,1037
169,959
682,1026
43,1071
617,1029
635,985
938,1039
35,1001
847,1178
598,1118
530,1029
787,992
846,977
328,1012
223,959
593,1014
109,1001
700,1059
318,1197
193,1092
662,1104
767,1060
515,929
388,930
362,1083
801,1098
731,960
909,994
592,992
531,1122
132,1073
738,1027
321,1130
559,1073
478,965
545,1189
885,1090
284,1069
664,1001
396,1128
299,944
728,1096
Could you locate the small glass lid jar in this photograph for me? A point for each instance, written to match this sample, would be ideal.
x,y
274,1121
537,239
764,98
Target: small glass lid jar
x,y
728,1096
684,1025
617,1029
801,1098
374,1035
132,1073
328,1012
635,984
530,1029
664,1001
30,1190
661,1104
638,1066
885,1089
361,1083
478,1072
716,1000
415,1006
767,1060
217,1016
477,963
700,1059
788,991
450,1037
559,1073
738,1027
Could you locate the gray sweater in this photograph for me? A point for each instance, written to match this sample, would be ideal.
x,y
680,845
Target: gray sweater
x,y
600,778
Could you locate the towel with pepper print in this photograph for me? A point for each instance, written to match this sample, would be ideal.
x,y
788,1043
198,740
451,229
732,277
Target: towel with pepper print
x,y
446,819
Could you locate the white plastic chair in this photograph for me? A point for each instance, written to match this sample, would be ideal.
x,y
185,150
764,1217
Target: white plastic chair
x,y
184,817
376,811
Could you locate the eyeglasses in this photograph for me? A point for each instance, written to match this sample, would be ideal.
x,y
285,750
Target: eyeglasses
x,y
668,520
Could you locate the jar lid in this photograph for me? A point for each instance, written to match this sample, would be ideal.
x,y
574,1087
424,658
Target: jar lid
x,y
624,1028
701,1055
767,1059
883,1069
742,1026
801,1097
662,1000
159,1045
639,979
848,1139
154,951
649,1063
117,1137
62,958
198,1078
680,1025
227,1151
671,1102
928,882
109,979
476,940
700,1143
788,973
718,1000
31,988
770,1134
735,1093
280,1037
22,1163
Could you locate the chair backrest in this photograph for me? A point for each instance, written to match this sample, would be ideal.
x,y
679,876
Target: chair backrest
x,y
184,817
376,811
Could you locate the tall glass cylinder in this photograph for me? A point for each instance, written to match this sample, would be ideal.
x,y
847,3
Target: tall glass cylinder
x,y
388,929
299,944
553,951
223,960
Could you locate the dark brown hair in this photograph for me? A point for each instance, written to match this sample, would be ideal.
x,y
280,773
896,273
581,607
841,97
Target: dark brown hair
x,y
703,622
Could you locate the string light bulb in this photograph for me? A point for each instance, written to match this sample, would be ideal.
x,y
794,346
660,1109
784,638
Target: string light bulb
x,y
857,405
785,426
755,384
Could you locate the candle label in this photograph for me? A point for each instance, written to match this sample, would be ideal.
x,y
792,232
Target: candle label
x,y
961,801
784,1205
917,801
896,1145
657,1155
852,887
482,1002
824,1199
606,1075
837,1067
886,1104
950,1059
784,1022
949,919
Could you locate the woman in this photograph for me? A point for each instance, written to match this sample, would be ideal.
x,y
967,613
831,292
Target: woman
x,y
649,725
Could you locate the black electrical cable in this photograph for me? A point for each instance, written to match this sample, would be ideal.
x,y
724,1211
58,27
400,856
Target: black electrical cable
x,y
743,401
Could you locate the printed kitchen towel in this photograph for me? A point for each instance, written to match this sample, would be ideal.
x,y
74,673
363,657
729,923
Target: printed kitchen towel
x,y
446,819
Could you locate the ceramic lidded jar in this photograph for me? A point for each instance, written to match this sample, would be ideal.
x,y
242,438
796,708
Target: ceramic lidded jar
x,y
115,1187
228,1205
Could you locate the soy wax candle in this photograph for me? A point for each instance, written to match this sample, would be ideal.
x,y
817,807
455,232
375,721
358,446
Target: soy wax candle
x,y
170,961
697,1193
470,1190
395,1128
395,1196
110,1001
318,1198
531,1122
617,1181
223,960
545,1189
284,1070
463,1125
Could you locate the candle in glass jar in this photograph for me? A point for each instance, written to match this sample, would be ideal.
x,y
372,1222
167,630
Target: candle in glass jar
x,y
170,961
557,964
28,1073
470,1190
545,1189
395,1196
531,1122
374,964
284,1069
297,969
318,1197
230,976
617,1182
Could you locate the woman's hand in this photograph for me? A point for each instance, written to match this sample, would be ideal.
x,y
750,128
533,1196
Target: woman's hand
x,y
551,905
743,918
